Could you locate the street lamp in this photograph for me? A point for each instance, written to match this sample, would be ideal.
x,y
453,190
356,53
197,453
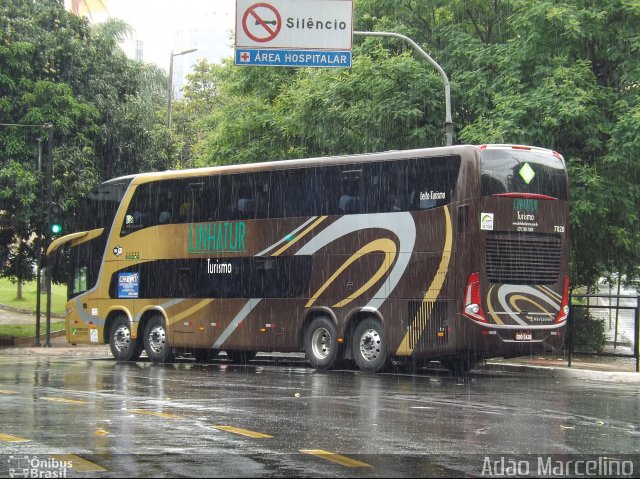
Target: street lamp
x,y
170,93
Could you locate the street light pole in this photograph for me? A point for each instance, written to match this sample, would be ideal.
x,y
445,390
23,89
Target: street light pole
x,y
170,92
39,247
448,121
47,276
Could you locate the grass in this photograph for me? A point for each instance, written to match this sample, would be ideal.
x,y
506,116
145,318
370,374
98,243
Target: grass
x,y
29,330
8,293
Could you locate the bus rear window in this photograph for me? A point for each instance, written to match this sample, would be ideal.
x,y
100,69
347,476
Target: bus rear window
x,y
522,171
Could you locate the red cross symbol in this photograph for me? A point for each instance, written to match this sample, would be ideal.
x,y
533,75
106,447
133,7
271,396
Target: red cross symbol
x,y
244,56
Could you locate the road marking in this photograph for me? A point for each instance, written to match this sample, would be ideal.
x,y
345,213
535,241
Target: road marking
x,y
78,463
8,438
337,458
243,432
163,415
4,391
67,401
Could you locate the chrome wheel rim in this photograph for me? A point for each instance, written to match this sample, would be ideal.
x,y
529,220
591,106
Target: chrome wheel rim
x,y
370,343
321,343
122,338
157,339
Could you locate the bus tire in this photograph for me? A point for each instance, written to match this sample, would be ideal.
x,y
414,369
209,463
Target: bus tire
x,y
156,341
321,343
368,346
240,357
123,346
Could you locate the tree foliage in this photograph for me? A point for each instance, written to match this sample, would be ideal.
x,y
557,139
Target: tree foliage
x,y
561,74
55,68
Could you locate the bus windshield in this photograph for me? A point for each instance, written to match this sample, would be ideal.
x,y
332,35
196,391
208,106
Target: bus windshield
x,y
508,170
97,210
99,207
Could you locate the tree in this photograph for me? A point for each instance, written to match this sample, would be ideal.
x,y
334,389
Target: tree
x,y
55,68
561,74
37,44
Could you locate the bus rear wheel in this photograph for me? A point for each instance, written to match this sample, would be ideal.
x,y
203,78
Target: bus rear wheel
x,y
320,343
156,341
123,346
368,346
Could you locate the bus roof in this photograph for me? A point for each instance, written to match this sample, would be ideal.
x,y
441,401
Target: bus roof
x,y
301,163
504,146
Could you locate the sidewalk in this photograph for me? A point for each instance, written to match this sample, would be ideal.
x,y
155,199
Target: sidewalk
x,y
587,367
59,347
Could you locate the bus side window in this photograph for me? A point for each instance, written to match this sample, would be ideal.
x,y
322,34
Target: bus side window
x,y
292,195
246,208
253,195
138,214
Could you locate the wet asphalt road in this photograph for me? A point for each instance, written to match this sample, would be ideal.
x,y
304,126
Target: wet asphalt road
x,y
287,420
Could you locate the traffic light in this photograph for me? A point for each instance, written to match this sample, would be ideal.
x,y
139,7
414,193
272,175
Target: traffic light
x,y
56,225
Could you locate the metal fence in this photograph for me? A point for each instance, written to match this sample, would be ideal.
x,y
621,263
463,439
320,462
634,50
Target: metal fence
x,y
619,315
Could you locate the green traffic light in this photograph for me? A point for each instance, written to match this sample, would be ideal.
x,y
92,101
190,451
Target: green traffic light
x,y
56,228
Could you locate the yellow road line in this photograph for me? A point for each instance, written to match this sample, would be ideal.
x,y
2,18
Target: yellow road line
x,y
4,391
78,463
337,458
63,400
163,415
243,432
8,438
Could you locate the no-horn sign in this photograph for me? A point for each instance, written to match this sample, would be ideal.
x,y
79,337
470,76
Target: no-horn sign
x,y
297,27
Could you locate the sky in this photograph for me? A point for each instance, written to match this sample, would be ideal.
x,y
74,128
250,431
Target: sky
x,y
175,25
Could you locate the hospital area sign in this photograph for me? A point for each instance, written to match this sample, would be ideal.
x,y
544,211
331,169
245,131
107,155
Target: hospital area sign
x,y
295,33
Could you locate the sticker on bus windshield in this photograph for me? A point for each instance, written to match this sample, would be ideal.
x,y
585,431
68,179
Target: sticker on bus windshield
x,y
486,221
527,173
128,285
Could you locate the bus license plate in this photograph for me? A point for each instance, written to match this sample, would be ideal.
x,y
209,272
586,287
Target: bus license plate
x,y
524,336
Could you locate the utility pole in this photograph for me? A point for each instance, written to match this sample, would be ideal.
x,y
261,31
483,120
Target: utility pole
x,y
41,232
49,126
39,246
448,122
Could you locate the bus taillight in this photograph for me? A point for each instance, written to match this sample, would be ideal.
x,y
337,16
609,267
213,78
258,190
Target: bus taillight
x,y
472,300
564,307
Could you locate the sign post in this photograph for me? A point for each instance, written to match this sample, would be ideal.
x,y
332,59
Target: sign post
x,y
294,33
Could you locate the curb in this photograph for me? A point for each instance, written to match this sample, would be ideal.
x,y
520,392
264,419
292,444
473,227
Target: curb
x,y
564,372
28,311
16,342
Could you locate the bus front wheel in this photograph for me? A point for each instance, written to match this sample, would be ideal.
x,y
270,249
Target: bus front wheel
x,y
123,346
320,343
156,341
368,346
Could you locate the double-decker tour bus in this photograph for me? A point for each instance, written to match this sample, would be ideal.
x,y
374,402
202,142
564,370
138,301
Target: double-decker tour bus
x,y
456,254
